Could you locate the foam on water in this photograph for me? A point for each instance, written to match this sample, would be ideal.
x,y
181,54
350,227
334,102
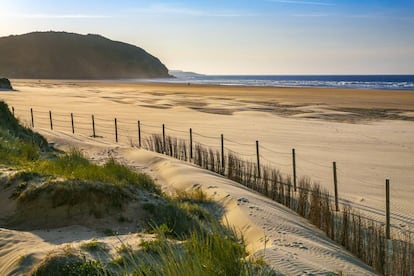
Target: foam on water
x,y
389,82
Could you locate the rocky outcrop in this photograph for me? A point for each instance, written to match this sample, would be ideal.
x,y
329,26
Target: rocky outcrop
x,y
5,84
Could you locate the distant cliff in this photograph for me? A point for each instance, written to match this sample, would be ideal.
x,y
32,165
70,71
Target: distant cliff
x,y
61,55
184,74
5,84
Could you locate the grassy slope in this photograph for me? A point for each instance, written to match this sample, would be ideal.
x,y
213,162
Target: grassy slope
x,y
18,145
60,55
206,247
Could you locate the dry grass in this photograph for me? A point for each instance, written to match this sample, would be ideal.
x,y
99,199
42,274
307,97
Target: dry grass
x,y
362,236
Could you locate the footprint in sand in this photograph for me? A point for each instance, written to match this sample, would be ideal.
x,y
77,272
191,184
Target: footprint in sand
x,y
296,245
243,200
196,186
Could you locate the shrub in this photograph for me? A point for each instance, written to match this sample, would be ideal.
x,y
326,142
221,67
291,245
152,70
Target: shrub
x,y
94,245
71,265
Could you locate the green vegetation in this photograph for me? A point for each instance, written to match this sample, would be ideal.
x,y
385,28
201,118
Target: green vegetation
x,y
74,165
61,55
18,145
69,264
195,196
190,240
178,217
93,245
12,130
218,252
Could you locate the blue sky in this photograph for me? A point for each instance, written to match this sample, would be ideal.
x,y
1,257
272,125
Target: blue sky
x,y
240,37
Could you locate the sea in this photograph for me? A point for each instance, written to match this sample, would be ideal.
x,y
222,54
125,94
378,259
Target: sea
x,y
387,82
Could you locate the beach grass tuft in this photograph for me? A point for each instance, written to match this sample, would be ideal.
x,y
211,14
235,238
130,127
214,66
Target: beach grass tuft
x,y
74,165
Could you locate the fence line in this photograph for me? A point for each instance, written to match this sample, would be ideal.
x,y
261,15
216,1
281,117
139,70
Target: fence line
x,y
344,225
109,130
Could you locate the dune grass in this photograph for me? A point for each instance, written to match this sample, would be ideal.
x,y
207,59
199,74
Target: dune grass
x,y
94,245
14,151
360,235
19,145
190,240
217,252
69,264
74,165
185,244
177,217
10,124
70,180
195,196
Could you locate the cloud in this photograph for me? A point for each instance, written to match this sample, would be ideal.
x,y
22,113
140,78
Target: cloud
x,y
302,2
165,9
313,14
161,9
58,16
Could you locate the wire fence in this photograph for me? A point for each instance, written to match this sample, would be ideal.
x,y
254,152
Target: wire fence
x,y
128,133
364,230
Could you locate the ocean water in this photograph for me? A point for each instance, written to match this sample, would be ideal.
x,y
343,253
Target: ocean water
x,y
394,82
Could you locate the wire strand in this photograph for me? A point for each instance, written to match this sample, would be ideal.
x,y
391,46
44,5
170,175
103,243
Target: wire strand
x,y
238,143
300,158
273,151
206,136
275,163
176,130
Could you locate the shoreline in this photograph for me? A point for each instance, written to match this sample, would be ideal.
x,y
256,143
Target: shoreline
x,y
402,100
189,83
158,81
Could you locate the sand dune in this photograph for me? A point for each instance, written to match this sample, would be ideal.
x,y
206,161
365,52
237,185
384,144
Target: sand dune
x,y
368,133
288,242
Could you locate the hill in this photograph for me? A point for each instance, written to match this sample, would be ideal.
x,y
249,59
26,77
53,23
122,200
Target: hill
x,y
61,55
184,74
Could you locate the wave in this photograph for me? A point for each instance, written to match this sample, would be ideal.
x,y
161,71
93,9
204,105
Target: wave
x,y
388,82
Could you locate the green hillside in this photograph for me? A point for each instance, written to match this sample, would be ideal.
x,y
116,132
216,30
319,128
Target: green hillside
x,y
61,55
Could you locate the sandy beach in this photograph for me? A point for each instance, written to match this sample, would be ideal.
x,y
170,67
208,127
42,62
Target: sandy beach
x,y
368,133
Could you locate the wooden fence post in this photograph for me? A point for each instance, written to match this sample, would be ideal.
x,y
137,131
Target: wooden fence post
x,y
163,138
294,168
116,131
387,211
93,126
389,246
191,144
31,114
50,118
13,110
258,159
139,133
73,125
335,186
222,152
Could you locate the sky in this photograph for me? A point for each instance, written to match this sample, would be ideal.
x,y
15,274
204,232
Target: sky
x,y
276,37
